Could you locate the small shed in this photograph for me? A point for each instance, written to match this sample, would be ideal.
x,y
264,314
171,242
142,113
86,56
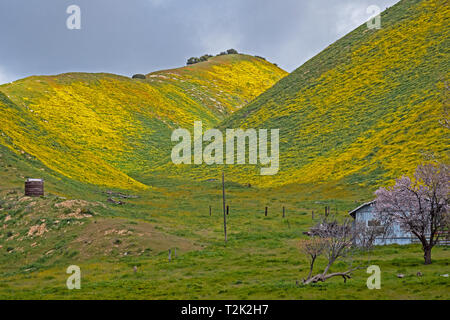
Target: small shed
x,y
366,214
34,187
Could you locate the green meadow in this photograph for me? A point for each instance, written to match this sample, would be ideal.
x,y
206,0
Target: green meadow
x,y
260,260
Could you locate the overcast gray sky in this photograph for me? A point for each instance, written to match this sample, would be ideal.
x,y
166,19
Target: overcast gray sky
x,y
140,36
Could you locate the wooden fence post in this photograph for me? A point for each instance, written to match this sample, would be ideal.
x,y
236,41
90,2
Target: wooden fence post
x,y
170,255
210,211
265,213
284,212
228,209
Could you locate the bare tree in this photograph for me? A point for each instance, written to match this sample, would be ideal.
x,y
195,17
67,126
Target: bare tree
x,y
313,248
333,240
419,206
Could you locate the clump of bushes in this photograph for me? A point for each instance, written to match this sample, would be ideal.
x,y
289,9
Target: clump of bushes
x,y
139,76
205,57
229,51
194,60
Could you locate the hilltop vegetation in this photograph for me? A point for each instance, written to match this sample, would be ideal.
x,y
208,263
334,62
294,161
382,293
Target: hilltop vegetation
x,y
206,57
106,130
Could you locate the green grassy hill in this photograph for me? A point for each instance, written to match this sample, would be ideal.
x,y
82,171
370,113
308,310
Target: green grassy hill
x,y
365,110
106,130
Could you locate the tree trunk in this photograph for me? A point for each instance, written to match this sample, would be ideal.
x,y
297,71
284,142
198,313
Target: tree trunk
x,y
426,247
311,267
427,254
322,277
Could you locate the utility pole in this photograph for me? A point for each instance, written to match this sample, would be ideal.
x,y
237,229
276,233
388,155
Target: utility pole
x,y
224,208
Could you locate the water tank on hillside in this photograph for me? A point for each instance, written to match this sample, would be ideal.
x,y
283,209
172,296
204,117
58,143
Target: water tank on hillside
x,y
34,187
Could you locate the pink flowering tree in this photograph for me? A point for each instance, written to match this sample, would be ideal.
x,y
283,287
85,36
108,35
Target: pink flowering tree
x,y
419,206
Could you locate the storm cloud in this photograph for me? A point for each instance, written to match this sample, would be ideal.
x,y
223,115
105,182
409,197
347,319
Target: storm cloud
x,y
140,36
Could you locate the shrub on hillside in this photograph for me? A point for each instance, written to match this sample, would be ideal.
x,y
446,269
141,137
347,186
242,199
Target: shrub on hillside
x,y
193,60
232,51
138,76
205,57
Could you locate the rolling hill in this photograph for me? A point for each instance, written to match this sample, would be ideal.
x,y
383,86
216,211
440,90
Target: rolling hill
x,y
364,111
105,129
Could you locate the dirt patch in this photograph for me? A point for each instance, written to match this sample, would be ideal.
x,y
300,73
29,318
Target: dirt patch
x,y
77,214
37,230
24,199
80,209
31,204
117,237
70,204
123,232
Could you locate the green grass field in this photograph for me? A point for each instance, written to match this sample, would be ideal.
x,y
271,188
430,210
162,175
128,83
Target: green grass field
x,y
260,261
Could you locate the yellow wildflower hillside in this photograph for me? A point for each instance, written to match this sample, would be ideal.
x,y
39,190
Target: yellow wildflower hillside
x,y
105,129
363,112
